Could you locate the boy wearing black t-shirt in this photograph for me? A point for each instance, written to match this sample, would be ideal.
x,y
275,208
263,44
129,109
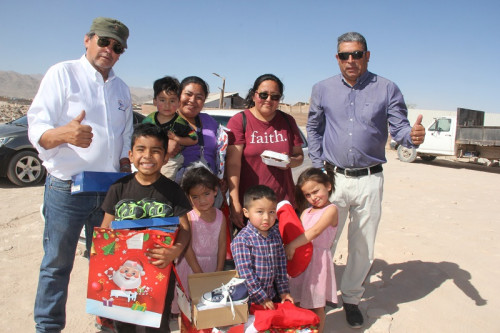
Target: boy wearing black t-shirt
x,y
148,154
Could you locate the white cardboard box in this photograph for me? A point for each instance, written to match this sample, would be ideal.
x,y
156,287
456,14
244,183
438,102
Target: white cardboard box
x,y
209,318
273,158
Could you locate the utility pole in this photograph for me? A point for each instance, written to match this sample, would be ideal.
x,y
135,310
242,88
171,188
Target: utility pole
x,y
221,101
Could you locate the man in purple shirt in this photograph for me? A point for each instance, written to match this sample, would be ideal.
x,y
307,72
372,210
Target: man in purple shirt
x,y
349,120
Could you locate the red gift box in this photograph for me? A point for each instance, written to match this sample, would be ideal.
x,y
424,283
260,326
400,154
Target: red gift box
x,y
122,284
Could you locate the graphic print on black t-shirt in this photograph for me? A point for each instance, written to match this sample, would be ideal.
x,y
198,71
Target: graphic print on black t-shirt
x,y
128,209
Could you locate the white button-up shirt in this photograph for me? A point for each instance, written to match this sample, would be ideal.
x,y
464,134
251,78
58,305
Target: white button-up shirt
x,y
68,88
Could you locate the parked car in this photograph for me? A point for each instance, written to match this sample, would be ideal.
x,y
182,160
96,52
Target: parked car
x,y
19,160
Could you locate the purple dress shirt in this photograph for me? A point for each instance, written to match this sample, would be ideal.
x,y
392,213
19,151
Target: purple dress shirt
x,y
348,126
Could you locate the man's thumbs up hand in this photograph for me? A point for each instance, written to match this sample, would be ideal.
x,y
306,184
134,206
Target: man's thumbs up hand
x,y
78,134
418,131
80,117
419,120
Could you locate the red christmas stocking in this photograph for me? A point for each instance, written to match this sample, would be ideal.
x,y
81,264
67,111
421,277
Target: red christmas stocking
x,y
290,228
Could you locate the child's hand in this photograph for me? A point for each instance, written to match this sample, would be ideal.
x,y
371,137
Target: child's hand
x,y
171,135
106,221
160,256
286,297
290,251
236,215
173,148
268,304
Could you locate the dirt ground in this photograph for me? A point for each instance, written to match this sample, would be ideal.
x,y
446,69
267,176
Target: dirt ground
x,y
437,255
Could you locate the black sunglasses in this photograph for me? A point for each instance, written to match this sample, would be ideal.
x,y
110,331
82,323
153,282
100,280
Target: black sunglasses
x,y
105,41
265,95
356,55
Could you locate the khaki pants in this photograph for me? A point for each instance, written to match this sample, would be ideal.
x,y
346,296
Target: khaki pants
x,y
360,199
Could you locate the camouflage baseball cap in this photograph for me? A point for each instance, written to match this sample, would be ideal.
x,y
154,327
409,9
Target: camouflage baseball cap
x,y
108,27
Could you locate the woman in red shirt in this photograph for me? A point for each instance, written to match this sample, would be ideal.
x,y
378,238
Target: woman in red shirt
x,y
261,127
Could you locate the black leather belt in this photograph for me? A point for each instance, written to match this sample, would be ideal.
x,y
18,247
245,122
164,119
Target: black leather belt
x,y
356,172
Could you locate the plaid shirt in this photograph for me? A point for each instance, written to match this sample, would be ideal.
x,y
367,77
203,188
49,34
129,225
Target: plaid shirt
x,y
261,261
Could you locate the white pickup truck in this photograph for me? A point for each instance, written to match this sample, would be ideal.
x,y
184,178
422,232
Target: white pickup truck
x,y
463,136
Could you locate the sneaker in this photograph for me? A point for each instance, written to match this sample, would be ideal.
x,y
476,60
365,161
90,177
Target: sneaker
x,y
128,209
104,324
234,292
353,315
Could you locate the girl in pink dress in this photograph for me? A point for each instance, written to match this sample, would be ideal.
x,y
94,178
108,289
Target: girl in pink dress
x,y
207,250
316,286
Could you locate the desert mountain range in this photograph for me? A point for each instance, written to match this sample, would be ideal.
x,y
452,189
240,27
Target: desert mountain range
x,y
13,84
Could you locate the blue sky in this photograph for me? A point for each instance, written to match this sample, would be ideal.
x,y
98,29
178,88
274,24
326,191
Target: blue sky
x,y
442,54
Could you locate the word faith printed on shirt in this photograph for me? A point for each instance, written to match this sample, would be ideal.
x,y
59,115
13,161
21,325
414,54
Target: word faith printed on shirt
x,y
272,137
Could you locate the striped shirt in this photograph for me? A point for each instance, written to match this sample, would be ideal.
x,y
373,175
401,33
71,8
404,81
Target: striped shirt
x,y
262,262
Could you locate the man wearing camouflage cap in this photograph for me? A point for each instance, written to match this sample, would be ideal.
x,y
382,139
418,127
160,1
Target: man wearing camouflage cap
x,y
80,120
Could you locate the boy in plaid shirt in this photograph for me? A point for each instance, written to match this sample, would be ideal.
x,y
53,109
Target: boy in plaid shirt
x,y
258,250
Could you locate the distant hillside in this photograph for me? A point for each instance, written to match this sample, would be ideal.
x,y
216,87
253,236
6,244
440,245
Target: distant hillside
x,y
141,95
13,84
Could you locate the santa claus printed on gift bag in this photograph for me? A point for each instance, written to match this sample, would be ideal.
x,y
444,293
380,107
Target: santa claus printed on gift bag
x,y
122,284
127,278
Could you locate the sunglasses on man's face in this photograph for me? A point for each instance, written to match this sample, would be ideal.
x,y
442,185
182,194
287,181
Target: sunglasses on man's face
x,y
105,41
265,95
356,55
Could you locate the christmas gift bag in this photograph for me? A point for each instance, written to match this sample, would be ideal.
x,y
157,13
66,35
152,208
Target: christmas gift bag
x,y
285,318
122,284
